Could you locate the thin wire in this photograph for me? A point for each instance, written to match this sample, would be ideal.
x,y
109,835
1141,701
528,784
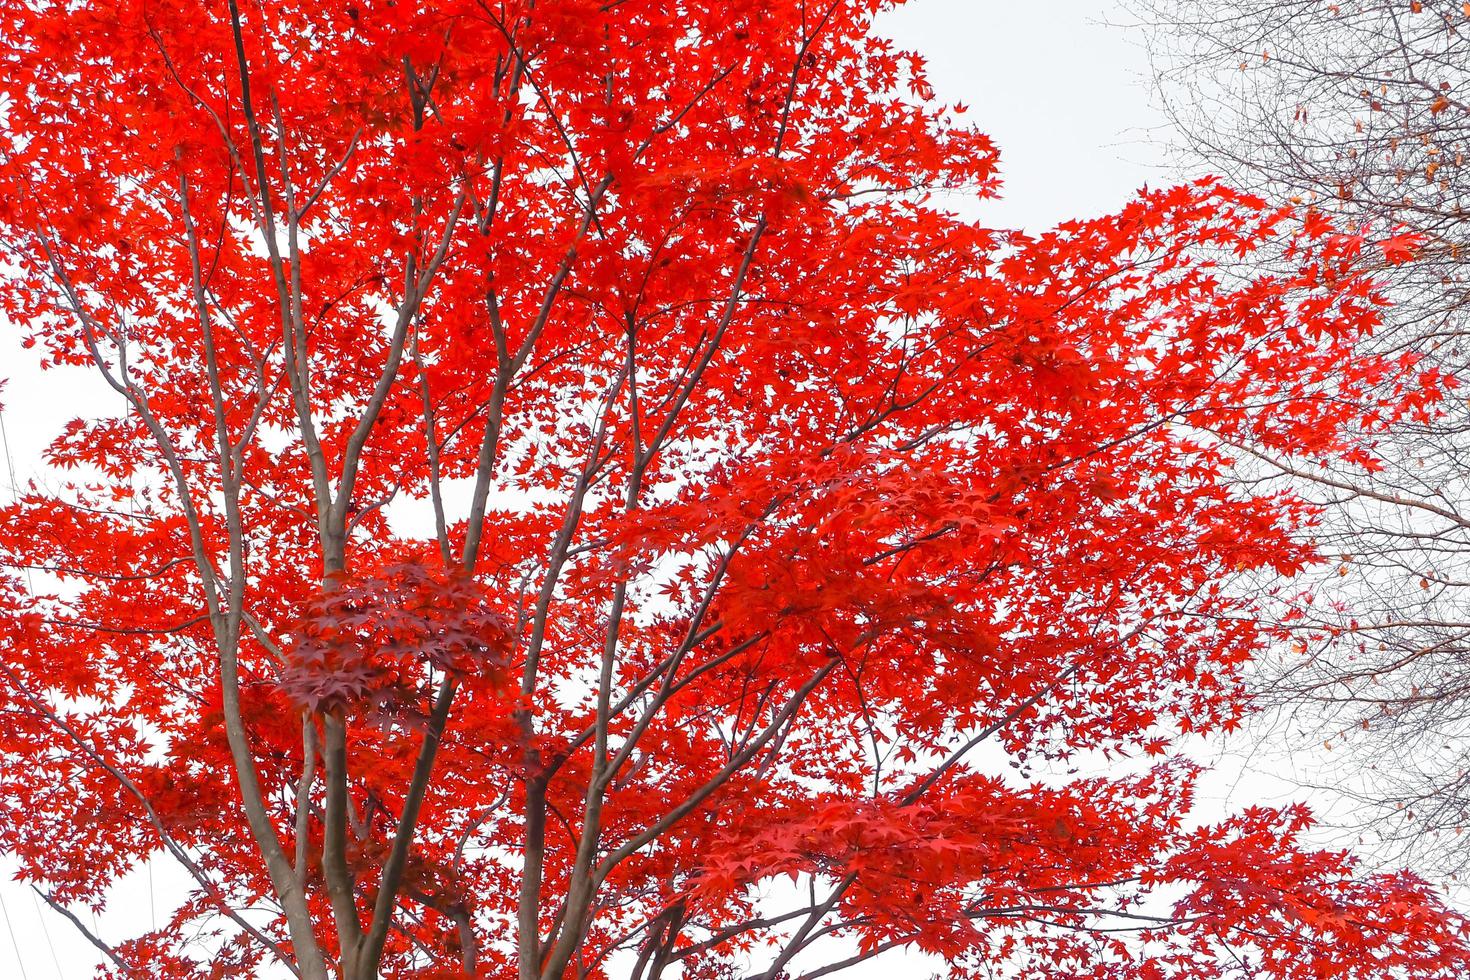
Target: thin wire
x,y
14,485
4,909
30,588
10,463
15,944
45,931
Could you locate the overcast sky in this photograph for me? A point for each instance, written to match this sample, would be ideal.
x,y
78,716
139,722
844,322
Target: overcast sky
x,y
1063,93
1062,89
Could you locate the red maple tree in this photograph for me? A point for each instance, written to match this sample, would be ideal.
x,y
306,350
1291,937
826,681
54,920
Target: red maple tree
x,y
579,473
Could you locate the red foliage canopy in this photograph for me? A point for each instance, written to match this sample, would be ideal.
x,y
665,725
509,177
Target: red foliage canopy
x,y
579,473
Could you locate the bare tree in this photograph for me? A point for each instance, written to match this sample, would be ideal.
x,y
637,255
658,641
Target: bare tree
x,y
1359,110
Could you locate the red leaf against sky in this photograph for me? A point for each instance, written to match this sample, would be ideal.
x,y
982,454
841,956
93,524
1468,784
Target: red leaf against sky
x,y
580,473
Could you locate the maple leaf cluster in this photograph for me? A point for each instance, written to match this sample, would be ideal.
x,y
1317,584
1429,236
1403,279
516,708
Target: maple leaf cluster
x,y
372,640
783,522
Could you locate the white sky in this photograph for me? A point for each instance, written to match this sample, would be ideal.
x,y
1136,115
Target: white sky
x,y
1064,94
